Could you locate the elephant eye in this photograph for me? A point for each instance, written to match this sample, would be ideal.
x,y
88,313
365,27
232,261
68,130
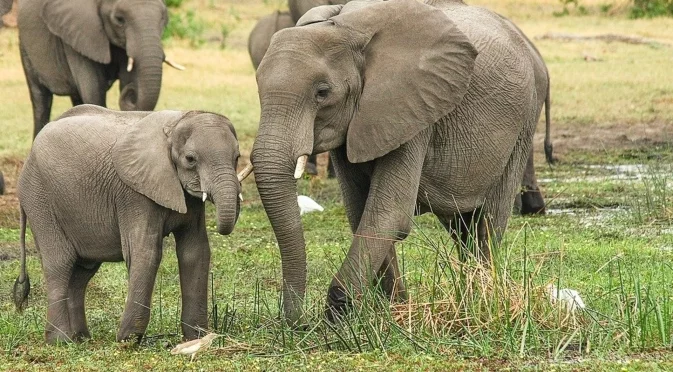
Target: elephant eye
x,y
322,92
119,19
191,160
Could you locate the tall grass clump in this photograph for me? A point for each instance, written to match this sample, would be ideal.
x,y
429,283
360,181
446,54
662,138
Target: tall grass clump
x,y
652,201
500,308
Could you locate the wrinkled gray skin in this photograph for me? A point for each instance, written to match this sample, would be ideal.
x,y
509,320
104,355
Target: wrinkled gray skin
x,y
422,107
106,186
78,48
260,36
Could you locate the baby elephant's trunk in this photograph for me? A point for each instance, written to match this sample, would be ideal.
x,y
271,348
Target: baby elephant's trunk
x,y
22,283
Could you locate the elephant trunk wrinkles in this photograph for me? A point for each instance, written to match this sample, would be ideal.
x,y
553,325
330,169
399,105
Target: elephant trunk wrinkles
x,y
274,164
225,198
148,67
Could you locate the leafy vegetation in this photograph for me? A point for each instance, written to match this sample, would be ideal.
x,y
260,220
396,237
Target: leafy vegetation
x,y
651,8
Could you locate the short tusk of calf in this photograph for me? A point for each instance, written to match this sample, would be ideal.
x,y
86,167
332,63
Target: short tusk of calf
x,y
240,196
129,67
176,66
301,164
204,197
245,172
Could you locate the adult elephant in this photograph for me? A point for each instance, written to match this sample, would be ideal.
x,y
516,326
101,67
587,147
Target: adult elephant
x,y
423,107
78,48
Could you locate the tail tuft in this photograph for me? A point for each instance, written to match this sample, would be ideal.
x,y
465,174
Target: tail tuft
x,y
20,293
548,153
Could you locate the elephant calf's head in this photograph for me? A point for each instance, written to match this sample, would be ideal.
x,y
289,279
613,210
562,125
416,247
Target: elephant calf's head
x,y
169,153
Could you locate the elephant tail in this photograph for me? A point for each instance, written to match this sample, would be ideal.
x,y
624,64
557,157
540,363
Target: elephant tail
x,y
548,147
22,283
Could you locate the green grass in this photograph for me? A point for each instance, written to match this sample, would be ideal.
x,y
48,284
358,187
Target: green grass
x,y
613,243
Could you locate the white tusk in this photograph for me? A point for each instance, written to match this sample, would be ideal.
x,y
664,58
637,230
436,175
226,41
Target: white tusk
x,y
129,67
204,197
176,66
301,164
245,172
240,196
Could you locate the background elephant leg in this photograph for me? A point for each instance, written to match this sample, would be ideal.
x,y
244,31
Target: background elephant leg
x,y
76,100
467,232
142,253
385,219
390,278
312,165
331,173
532,201
41,98
81,275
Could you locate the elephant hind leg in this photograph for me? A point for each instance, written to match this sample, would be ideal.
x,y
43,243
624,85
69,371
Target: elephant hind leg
x,y
81,275
58,262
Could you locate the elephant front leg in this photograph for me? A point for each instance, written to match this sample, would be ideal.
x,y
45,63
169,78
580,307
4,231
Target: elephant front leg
x,y
193,254
386,219
142,253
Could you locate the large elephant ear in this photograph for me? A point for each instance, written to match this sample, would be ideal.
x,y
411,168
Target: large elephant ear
x,y
319,14
142,159
78,24
418,67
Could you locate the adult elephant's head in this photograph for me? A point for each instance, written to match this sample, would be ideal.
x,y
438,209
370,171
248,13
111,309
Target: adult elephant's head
x,y
92,26
368,76
168,153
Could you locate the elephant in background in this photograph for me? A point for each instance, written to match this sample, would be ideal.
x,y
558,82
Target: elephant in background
x,y
8,10
260,36
78,48
105,186
423,107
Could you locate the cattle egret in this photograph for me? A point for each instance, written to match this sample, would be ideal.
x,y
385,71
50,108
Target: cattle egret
x,y
194,346
569,298
308,205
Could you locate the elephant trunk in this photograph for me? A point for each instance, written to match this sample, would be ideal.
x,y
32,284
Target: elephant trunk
x,y
273,156
225,197
146,58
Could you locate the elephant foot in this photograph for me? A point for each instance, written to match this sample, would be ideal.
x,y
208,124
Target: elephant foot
x,y
56,337
338,304
532,202
130,337
81,336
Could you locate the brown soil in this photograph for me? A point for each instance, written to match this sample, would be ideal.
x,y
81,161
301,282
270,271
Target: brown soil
x,y
601,138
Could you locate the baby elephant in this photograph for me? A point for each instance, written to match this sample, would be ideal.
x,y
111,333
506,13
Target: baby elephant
x,y
106,186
